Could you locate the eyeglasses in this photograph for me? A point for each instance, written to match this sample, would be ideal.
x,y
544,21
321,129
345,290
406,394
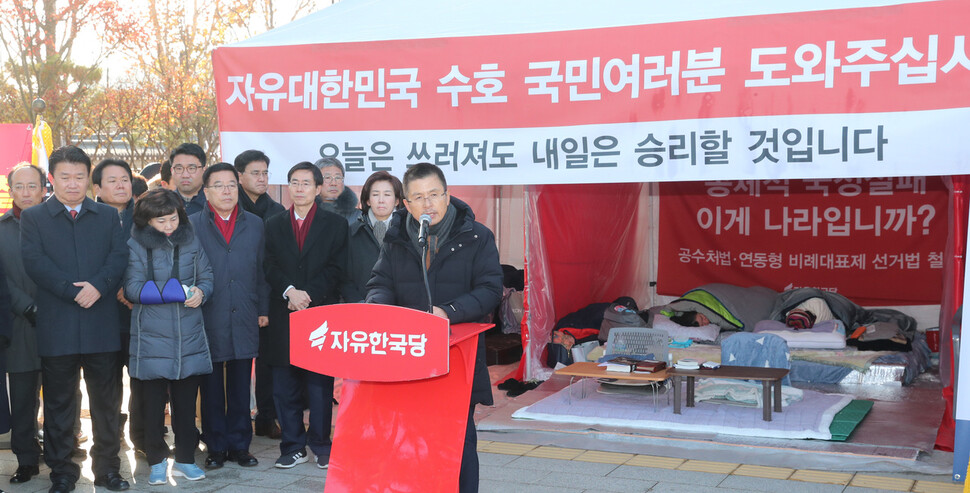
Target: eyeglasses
x,y
258,174
333,178
433,197
33,187
301,184
224,186
192,168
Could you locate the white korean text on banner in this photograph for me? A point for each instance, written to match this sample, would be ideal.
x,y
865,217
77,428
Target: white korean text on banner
x,y
877,241
855,92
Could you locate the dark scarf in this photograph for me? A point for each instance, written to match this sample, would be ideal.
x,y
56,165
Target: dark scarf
x,y
300,232
17,211
437,234
260,207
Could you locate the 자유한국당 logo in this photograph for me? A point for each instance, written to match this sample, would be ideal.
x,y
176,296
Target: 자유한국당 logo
x,y
319,336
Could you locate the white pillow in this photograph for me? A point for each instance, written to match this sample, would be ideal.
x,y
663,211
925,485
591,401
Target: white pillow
x,y
680,333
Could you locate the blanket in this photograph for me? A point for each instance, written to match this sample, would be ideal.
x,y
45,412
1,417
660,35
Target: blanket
x,y
809,417
844,309
731,307
826,335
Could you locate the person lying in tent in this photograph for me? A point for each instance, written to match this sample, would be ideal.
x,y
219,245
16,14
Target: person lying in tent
x,y
689,319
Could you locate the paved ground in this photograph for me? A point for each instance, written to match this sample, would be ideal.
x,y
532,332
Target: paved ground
x,y
528,468
524,463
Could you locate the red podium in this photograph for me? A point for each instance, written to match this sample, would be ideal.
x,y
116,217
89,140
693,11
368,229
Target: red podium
x,y
404,404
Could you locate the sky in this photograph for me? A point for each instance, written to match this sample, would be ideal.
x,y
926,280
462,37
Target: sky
x,y
88,45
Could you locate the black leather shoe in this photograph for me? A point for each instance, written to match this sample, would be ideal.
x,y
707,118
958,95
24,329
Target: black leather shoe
x,y
113,481
61,487
243,458
215,460
24,473
268,429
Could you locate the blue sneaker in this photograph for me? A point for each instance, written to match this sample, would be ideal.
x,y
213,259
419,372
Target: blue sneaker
x,y
159,473
190,471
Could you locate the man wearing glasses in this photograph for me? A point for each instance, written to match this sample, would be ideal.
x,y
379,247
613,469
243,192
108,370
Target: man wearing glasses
x,y
306,263
463,272
335,196
188,163
253,168
234,243
27,186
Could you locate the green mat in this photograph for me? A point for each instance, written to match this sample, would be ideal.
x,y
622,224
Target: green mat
x,y
848,418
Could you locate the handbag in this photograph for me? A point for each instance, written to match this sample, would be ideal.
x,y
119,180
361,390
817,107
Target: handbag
x,y
170,292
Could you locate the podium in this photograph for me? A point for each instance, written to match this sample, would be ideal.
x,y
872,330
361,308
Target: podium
x,y
404,405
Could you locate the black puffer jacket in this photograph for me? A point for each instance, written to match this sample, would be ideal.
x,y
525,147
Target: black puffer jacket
x,y
465,278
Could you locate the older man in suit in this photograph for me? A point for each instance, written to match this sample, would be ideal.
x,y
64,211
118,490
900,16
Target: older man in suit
x,y
28,186
305,265
74,250
233,241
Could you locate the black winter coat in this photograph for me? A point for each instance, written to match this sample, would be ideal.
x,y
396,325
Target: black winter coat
x,y
318,269
22,353
59,251
465,278
362,253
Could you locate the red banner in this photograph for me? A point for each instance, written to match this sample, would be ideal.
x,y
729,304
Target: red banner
x,y
876,241
838,93
14,148
863,60
378,343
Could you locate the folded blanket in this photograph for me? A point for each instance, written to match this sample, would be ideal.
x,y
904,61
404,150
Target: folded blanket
x,y
740,392
825,335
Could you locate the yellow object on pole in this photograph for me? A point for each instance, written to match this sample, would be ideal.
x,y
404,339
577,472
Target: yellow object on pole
x,y
42,144
966,483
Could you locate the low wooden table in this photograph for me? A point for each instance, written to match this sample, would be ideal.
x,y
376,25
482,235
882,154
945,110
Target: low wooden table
x,y
590,369
769,377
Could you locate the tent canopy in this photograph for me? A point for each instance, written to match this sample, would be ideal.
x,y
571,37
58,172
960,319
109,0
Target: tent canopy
x,y
377,20
563,91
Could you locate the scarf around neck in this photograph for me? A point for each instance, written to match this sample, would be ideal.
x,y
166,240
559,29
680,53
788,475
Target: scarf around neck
x,y
437,234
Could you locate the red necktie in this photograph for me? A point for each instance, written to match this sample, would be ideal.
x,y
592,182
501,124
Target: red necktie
x,y
73,214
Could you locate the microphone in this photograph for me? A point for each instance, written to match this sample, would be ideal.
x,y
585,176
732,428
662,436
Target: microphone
x,y
423,232
423,242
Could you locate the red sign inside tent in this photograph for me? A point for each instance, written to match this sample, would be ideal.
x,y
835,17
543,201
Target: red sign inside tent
x,y
876,241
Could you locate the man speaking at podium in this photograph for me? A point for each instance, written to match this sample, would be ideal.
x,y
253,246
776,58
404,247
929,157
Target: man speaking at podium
x,y
464,276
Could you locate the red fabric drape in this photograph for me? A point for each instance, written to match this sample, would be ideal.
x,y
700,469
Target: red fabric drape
x,y
953,285
585,244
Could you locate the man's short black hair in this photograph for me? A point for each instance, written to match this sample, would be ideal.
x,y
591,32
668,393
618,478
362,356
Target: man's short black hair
x,y
246,157
190,149
20,166
215,168
139,185
71,154
423,170
165,172
99,169
307,165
